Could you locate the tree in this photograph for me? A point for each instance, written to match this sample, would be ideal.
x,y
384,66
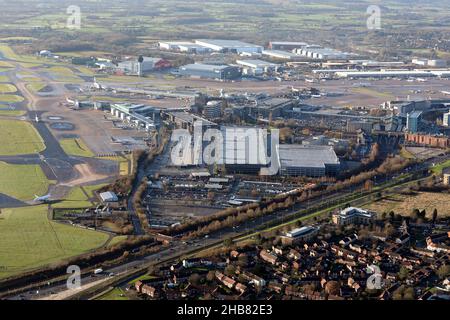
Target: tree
x,y
230,270
228,242
333,288
194,279
435,215
443,271
403,273
211,276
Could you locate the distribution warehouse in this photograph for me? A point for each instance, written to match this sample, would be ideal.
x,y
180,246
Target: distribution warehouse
x,y
230,46
206,71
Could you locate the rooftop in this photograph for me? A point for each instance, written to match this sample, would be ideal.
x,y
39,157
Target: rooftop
x,y
350,211
300,231
256,63
226,43
205,67
307,156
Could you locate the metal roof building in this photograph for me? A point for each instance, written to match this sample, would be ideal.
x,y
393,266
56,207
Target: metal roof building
x,y
207,71
229,45
311,161
184,46
108,197
279,54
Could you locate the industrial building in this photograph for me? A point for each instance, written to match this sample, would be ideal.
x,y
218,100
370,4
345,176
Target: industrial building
x,y
232,46
142,65
206,71
394,74
184,46
298,235
108,197
141,116
286,45
435,63
353,215
413,121
310,161
257,67
279,54
321,53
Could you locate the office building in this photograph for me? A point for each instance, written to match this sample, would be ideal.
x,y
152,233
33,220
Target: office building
x,y
299,235
353,215
413,121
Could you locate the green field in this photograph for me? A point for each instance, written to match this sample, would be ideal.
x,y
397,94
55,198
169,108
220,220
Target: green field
x,y
10,98
12,113
79,197
4,79
28,240
10,54
7,88
5,64
19,137
439,168
114,294
76,147
36,86
22,182
76,198
116,240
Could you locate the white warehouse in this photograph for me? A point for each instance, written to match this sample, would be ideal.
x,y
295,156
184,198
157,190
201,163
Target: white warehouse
x,y
257,67
229,46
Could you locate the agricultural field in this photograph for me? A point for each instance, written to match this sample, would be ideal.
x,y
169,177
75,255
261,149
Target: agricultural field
x,y
405,205
76,147
19,138
22,182
28,239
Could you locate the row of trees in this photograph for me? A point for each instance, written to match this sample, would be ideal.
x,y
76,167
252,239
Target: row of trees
x,y
235,216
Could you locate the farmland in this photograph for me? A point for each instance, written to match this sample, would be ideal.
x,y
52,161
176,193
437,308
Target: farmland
x,y
28,240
